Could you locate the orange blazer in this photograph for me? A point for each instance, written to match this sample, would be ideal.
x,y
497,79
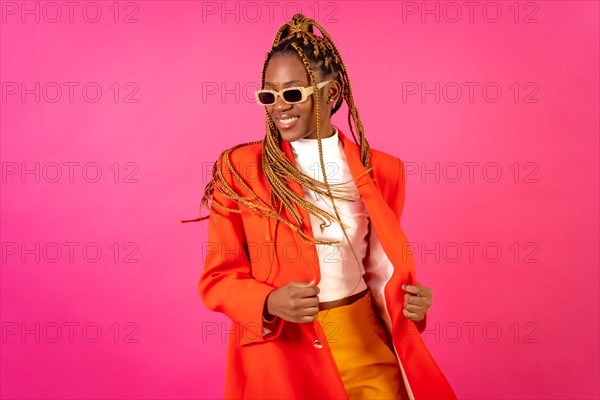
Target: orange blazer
x,y
239,275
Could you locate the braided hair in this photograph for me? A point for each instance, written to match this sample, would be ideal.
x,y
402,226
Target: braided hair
x,y
296,37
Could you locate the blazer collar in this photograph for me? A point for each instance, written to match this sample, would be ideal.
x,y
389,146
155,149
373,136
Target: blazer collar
x,y
352,151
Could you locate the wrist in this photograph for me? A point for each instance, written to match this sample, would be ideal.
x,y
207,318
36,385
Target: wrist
x,y
268,317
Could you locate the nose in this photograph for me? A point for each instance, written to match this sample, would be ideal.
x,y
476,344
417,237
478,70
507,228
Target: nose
x,y
280,104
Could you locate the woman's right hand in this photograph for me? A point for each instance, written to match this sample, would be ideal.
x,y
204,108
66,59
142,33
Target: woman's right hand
x,y
294,302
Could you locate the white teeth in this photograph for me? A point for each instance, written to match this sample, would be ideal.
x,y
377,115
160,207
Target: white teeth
x,y
287,121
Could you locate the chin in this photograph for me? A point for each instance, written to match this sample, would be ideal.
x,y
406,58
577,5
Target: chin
x,y
290,135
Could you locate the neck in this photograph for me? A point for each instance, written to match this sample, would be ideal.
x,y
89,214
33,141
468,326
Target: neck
x,y
308,147
326,132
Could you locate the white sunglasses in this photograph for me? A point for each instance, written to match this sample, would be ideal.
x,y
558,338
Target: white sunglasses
x,y
292,95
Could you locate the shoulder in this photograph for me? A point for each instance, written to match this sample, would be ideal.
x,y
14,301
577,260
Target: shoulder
x,y
388,165
383,157
237,162
241,155
390,178
244,150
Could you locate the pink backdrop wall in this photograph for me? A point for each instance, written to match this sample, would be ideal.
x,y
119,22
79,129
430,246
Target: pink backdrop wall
x,y
113,112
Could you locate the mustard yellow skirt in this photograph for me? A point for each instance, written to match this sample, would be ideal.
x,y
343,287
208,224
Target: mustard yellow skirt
x,y
363,352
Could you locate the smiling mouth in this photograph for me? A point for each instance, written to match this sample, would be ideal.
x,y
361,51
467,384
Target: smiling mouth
x,y
286,123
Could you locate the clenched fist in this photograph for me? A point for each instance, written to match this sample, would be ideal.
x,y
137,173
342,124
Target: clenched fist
x,y
294,302
417,301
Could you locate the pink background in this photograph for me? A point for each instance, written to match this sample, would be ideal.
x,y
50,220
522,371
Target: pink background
x,y
524,326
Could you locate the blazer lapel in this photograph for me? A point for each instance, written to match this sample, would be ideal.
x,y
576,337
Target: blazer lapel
x,y
382,217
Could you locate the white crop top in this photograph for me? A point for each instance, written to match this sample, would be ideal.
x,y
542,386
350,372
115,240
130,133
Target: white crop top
x,y
341,276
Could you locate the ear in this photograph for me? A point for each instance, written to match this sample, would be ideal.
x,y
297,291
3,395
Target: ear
x,y
334,91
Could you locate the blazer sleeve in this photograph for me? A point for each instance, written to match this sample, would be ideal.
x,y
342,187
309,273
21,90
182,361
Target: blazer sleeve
x,y
226,284
397,204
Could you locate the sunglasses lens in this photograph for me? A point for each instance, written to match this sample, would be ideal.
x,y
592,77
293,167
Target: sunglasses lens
x,y
292,95
266,98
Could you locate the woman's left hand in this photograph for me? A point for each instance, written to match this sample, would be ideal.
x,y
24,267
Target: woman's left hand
x,y
416,302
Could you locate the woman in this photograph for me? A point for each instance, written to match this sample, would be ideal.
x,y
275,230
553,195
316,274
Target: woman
x,y
332,312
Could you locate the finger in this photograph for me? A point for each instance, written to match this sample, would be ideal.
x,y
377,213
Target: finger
x,y
415,308
305,318
412,299
417,290
305,292
412,316
303,284
410,288
310,311
307,302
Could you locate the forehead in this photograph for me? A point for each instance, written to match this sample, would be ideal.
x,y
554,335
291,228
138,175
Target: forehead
x,y
285,70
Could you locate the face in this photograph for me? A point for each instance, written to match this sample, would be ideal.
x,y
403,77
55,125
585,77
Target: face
x,y
296,121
